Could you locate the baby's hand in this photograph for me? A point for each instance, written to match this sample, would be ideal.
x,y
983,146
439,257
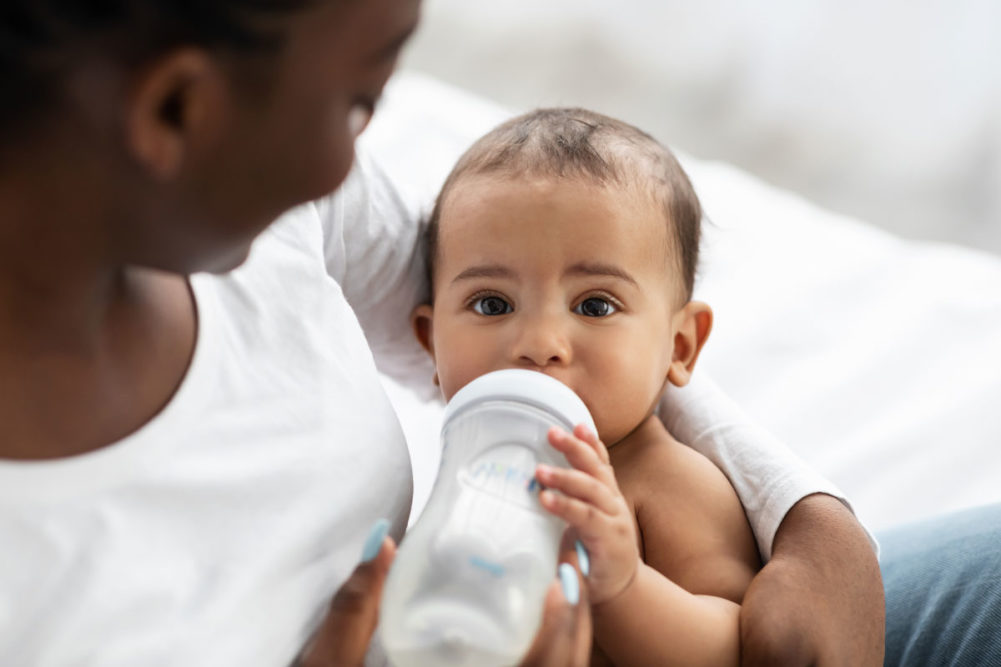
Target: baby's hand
x,y
590,501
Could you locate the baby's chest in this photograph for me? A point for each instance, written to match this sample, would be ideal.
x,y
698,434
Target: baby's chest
x,y
661,511
634,492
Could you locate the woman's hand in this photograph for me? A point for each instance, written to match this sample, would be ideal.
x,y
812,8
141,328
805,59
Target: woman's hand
x,y
564,639
343,638
591,502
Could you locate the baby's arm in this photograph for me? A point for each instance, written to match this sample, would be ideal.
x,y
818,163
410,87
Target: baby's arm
x,y
640,615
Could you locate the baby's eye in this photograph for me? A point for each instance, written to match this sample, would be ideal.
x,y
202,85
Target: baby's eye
x,y
492,305
594,307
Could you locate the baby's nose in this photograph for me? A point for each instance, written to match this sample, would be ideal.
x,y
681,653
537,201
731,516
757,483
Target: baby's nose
x,y
540,344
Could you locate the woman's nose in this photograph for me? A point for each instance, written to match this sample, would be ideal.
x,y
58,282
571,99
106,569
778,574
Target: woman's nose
x,y
540,343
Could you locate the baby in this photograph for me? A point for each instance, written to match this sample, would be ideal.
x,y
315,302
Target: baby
x,y
565,242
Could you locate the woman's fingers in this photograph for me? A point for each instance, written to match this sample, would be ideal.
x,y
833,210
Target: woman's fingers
x,y
343,638
564,639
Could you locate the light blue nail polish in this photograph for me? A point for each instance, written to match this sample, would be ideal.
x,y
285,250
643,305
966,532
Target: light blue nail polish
x,y
374,540
583,558
568,580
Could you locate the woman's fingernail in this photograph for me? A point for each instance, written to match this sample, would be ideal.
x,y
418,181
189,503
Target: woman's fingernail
x,y
583,558
568,580
374,540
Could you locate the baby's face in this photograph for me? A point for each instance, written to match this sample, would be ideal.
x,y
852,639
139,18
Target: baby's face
x,y
559,276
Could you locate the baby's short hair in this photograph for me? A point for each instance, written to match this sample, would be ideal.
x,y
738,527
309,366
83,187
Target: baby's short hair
x,y
582,144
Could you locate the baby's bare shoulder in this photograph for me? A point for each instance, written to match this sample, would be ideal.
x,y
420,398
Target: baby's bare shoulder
x,y
651,463
693,527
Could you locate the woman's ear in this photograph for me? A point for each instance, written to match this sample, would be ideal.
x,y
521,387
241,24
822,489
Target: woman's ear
x,y
176,106
691,329
422,321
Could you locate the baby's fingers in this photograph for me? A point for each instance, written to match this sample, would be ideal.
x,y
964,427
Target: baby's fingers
x,y
589,457
590,437
587,519
579,485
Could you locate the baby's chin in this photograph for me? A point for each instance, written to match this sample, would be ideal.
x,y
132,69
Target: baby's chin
x,y
611,437
612,432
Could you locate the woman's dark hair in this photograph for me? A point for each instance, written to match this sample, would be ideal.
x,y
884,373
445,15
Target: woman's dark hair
x,y
41,39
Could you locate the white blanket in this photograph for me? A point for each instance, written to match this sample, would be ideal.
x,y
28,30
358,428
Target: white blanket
x,y
876,359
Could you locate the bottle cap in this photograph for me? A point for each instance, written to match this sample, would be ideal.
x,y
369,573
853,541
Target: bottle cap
x,y
532,387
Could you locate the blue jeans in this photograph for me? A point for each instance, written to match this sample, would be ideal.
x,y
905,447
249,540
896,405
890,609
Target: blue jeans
x,y
943,590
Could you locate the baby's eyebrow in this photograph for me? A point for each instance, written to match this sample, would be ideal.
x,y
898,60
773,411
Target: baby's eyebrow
x,y
599,269
485,271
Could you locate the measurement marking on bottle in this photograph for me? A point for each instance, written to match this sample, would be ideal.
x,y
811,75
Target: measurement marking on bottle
x,y
495,569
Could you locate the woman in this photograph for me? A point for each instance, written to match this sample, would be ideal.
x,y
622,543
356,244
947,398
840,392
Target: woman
x,y
190,463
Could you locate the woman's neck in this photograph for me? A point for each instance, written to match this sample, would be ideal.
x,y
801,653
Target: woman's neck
x,y
75,382
60,282
89,350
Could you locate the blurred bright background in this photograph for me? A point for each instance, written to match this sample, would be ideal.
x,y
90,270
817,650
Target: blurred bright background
x,y
889,111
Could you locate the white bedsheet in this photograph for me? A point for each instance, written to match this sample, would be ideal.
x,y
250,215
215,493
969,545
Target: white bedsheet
x,y
874,358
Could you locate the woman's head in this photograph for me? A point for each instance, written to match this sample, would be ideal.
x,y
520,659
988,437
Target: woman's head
x,y
205,119
41,42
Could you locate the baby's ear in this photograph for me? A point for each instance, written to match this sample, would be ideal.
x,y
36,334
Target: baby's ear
x,y
691,330
422,320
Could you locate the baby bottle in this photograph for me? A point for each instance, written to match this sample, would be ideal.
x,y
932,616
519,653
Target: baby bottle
x,y
469,580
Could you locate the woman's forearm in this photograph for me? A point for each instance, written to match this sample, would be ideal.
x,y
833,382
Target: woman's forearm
x,y
820,599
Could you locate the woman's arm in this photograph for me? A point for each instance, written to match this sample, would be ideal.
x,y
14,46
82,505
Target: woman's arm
x,y
819,600
768,478
819,557
372,247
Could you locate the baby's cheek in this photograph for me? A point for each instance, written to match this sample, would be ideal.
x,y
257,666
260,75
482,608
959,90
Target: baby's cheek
x,y
625,402
456,369
614,422
449,382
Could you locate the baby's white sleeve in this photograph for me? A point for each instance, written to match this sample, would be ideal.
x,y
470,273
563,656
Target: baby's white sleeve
x,y
768,477
372,246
